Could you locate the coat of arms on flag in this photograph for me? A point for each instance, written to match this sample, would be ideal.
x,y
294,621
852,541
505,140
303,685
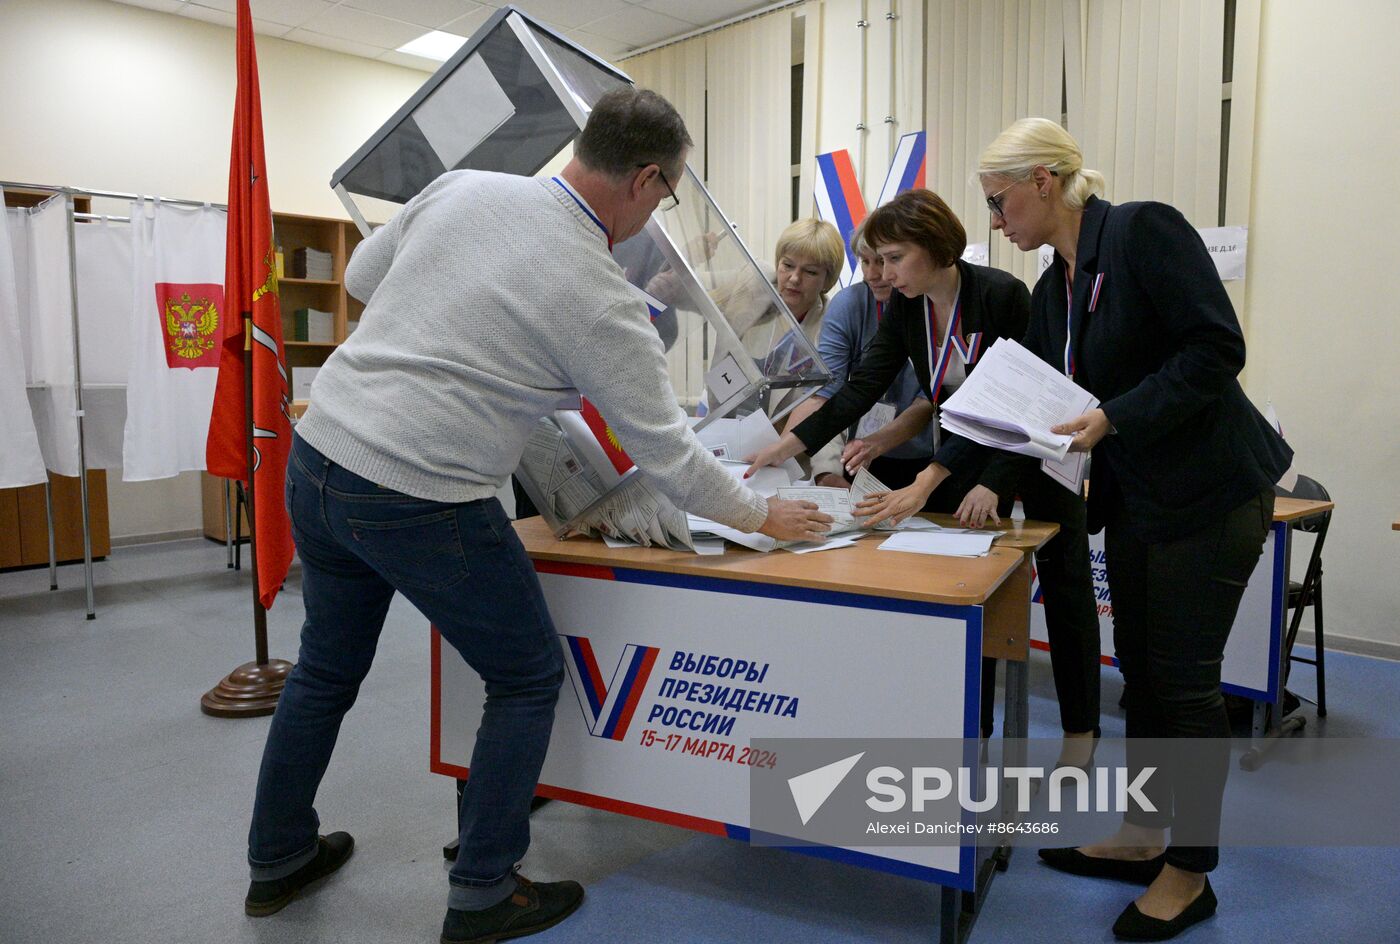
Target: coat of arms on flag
x,y
191,323
606,438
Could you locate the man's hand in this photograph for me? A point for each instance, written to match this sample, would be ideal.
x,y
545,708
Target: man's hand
x,y
1087,430
977,506
795,521
832,480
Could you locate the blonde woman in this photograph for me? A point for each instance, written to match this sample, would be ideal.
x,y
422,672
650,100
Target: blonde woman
x,y
1183,471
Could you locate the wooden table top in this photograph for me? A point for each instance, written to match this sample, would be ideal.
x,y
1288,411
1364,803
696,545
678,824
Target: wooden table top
x,y
1291,509
955,581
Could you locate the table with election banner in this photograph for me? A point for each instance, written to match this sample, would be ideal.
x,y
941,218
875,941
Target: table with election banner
x,y
677,661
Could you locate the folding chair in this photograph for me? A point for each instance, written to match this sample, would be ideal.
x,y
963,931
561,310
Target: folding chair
x,y
1308,591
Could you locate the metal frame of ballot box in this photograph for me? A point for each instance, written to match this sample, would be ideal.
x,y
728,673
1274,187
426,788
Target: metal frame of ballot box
x,y
510,100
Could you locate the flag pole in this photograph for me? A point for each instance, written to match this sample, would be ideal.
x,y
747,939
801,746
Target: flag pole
x,y
252,689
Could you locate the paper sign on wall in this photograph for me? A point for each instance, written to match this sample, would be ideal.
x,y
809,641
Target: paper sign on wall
x,y
977,254
1227,245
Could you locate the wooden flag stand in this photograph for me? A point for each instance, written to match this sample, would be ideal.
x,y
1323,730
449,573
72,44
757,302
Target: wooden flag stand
x,y
252,689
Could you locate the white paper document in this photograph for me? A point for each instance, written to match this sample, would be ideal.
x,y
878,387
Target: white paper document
x,y
1011,401
947,542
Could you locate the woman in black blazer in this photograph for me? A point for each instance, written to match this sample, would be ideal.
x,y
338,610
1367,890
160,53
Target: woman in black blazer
x,y
1183,475
921,241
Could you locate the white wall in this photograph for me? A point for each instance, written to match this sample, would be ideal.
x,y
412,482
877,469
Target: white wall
x,y
114,97
1323,286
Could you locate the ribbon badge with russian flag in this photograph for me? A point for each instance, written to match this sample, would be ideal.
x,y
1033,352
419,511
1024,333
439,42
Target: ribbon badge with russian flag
x,y
608,707
839,202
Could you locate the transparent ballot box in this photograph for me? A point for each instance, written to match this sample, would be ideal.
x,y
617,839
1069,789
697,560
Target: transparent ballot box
x,y
512,99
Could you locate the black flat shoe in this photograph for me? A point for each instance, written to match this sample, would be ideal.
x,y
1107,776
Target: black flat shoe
x,y
265,898
1071,860
1133,925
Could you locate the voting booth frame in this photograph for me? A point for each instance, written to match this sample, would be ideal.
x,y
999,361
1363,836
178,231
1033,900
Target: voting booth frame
x,y
77,203
511,99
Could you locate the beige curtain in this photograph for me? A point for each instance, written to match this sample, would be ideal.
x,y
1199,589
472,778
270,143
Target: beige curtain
x,y
749,126
989,63
1152,105
677,72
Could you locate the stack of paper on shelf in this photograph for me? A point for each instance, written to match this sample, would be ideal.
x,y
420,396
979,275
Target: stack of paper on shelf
x,y
308,263
312,325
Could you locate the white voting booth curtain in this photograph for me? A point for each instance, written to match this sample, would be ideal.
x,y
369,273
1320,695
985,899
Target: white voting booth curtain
x,y
39,244
176,321
21,462
104,297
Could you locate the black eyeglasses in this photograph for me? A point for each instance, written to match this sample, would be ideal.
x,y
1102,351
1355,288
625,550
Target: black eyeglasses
x,y
672,201
994,201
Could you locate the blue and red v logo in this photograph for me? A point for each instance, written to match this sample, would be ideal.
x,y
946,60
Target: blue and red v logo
x,y
608,708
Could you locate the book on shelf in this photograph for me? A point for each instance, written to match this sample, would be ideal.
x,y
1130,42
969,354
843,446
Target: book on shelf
x,y
308,263
308,324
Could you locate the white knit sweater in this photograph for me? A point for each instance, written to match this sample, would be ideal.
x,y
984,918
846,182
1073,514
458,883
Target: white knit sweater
x,y
488,297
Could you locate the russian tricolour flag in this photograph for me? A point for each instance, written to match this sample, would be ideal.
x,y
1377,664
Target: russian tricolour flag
x,y
839,203
908,169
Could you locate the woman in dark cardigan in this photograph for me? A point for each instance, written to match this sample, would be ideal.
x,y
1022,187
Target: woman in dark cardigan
x,y
1183,473
968,307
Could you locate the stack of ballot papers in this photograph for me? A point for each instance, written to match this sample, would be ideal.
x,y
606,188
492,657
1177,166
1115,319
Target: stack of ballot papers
x,y
949,542
1010,402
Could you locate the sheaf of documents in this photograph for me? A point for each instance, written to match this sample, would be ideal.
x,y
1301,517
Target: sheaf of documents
x,y
1010,402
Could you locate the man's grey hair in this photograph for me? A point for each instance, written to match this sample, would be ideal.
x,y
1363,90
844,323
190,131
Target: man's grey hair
x,y
631,127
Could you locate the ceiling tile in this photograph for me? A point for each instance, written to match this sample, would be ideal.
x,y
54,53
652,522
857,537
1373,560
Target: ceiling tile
x,y
286,12
638,26
466,25
702,14
309,38
428,13
598,45
365,28
164,6
410,62
196,12
569,14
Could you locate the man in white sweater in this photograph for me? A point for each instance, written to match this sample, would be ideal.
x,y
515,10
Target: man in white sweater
x,y
487,298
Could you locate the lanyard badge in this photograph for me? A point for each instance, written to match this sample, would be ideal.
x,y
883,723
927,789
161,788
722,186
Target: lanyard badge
x,y
938,361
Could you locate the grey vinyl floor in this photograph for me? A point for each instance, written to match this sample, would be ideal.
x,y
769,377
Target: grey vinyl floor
x,y
124,810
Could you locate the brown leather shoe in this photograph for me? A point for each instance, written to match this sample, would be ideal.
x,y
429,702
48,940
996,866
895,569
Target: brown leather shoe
x,y
531,907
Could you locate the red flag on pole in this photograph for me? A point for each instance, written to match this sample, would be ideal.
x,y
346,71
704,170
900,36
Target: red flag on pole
x,y
254,330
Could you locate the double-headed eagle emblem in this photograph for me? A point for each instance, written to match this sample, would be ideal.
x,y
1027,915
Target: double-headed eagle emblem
x,y
191,326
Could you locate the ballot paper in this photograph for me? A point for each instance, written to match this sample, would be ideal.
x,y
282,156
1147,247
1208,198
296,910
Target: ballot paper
x,y
744,437
945,541
1010,402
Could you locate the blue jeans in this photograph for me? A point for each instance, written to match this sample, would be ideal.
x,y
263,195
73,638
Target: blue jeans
x,y
464,569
